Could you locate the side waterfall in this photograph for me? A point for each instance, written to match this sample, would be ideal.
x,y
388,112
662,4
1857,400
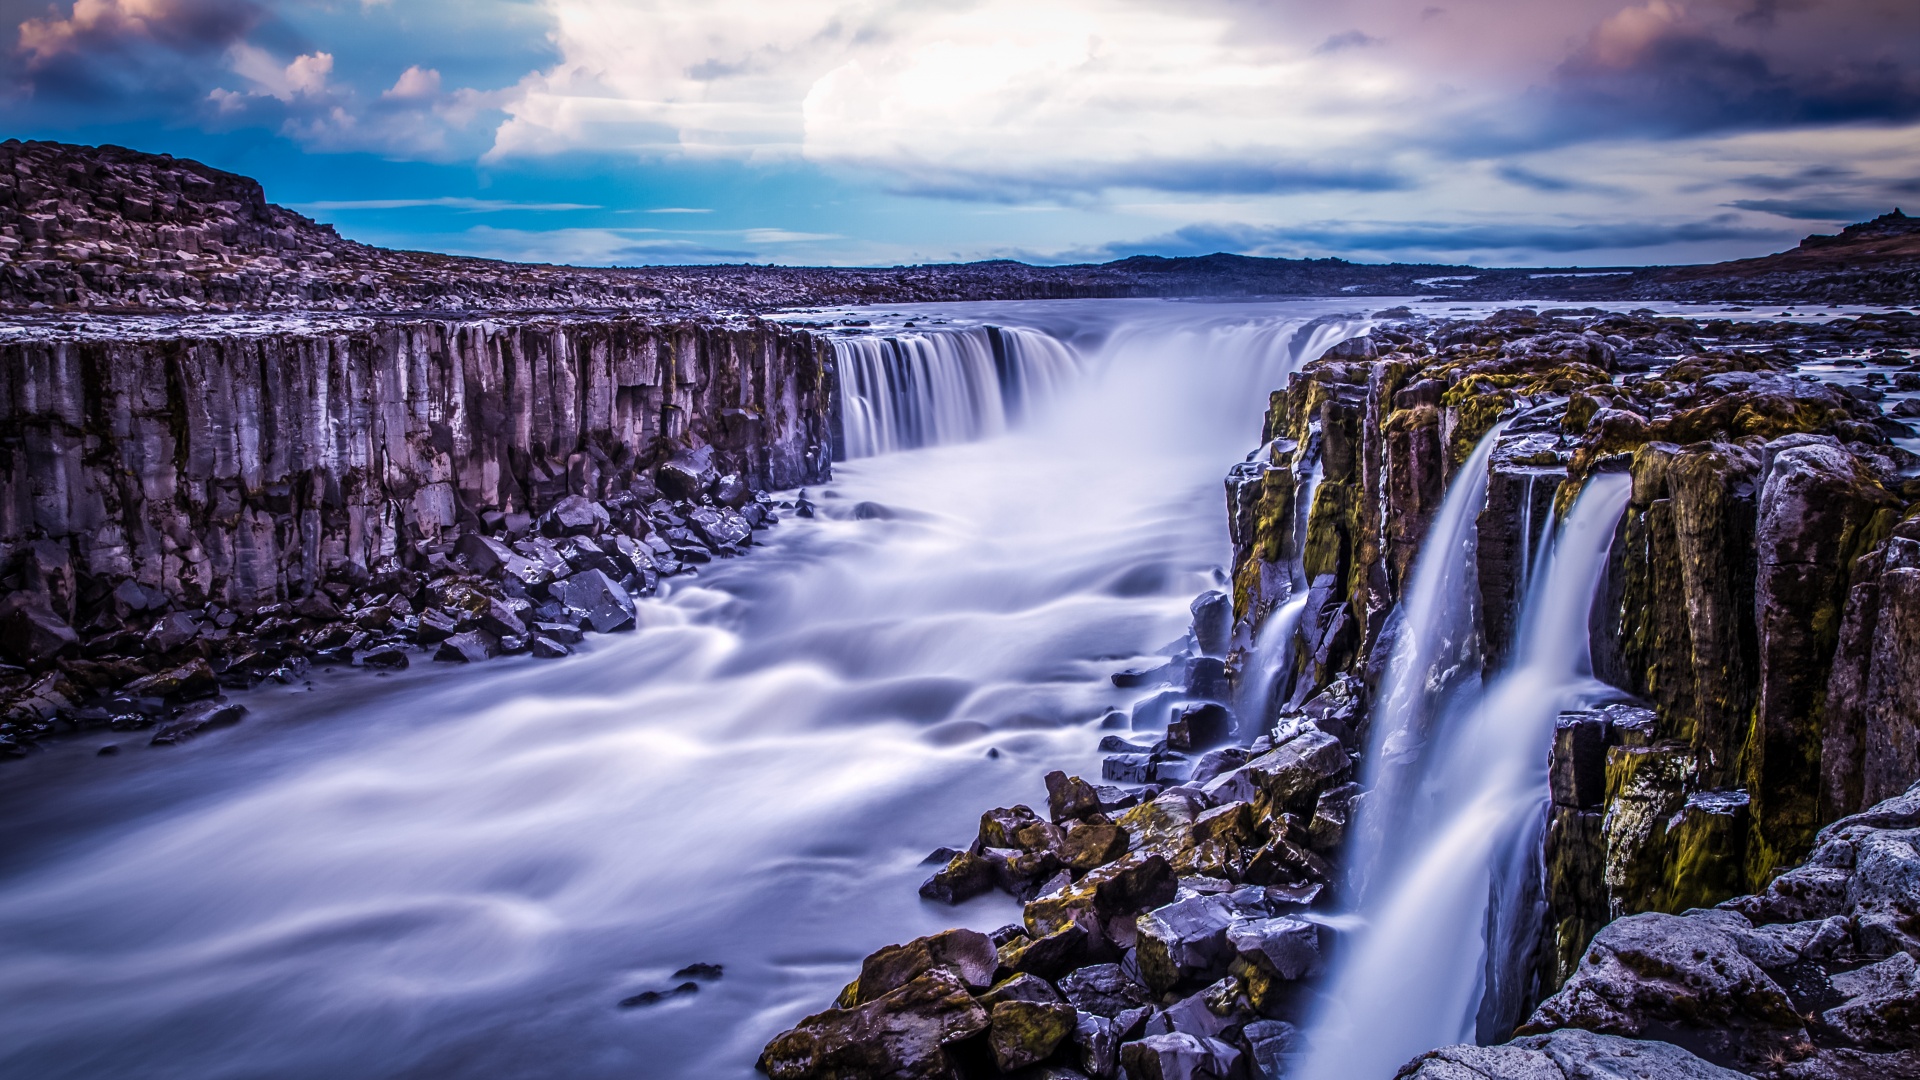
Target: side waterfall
x,y
908,390
1436,660
1439,910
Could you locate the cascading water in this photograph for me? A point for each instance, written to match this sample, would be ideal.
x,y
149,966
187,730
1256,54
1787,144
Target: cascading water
x,y
459,875
1439,911
907,390
1272,652
1435,659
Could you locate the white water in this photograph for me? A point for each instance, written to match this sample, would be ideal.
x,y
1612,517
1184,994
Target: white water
x,y
1273,644
910,389
1436,660
1416,974
457,874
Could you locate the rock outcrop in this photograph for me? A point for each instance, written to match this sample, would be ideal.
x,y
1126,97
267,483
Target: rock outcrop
x,y
1813,977
251,495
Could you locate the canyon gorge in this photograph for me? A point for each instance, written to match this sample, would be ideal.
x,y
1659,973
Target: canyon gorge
x,y
1291,671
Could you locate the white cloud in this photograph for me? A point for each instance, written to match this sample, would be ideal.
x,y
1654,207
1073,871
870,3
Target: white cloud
x,y
303,76
415,84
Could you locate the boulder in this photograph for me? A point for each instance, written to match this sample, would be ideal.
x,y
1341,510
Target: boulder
x,y
170,632
1212,622
597,599
1130,884
470,647
30,633
721,528
1568,1054
1679,977
190,681
575,515
1882,1010
1022,1033
1050,956
1178,1056
967,954
686,475
1104,990
197,720
1089,844
1069,797
1286,947
964,877
902,1034
1184,940
1284,776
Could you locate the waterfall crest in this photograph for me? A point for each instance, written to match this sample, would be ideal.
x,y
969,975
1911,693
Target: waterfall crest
x,y
908,390
1449,906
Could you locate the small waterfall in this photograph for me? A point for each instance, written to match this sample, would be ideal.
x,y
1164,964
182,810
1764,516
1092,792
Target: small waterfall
x,y
908,390
1448,909
1436,658
1273,644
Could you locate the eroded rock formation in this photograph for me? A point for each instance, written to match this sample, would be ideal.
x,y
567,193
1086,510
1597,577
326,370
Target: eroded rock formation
x,y
253,493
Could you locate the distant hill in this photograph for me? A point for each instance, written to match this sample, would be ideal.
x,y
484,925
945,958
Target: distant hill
x,y
104,228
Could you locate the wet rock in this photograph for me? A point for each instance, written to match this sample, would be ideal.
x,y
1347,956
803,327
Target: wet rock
x,y
470,647
575,515
1069,797
1086,845
904,1033
1200,727
964,877
1288,948
385,657
170,632
31,634
197,720
686,475
1124,887
1212,622
1050,956
966,955
1104,990
1677,975
1097,1039
1568,1054
1270,1042
189,681
548,649
1184,940
1284,776
1178,1056
1022,1033
597,599
720,528
1882,1010
436,626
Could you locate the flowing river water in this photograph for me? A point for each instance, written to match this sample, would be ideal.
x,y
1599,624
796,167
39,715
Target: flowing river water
x,y
460,874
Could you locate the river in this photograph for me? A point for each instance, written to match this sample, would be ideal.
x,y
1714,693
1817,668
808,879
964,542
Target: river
x,y
447,873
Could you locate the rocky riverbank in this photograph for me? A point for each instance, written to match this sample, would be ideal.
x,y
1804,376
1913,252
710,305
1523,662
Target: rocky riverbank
x,y
1174,922
191,512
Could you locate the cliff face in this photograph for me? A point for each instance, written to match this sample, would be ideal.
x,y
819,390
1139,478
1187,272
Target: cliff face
x,y
224,502
246,469
1758,609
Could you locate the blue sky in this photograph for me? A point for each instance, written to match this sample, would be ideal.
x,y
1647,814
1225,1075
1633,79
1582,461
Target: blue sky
x,y
1578,132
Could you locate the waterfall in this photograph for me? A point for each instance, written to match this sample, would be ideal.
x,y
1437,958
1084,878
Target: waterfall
x,y
1441,910
1273,644
1436,658
908,390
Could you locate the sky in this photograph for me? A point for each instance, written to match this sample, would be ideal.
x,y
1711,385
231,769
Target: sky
x,y
883,132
